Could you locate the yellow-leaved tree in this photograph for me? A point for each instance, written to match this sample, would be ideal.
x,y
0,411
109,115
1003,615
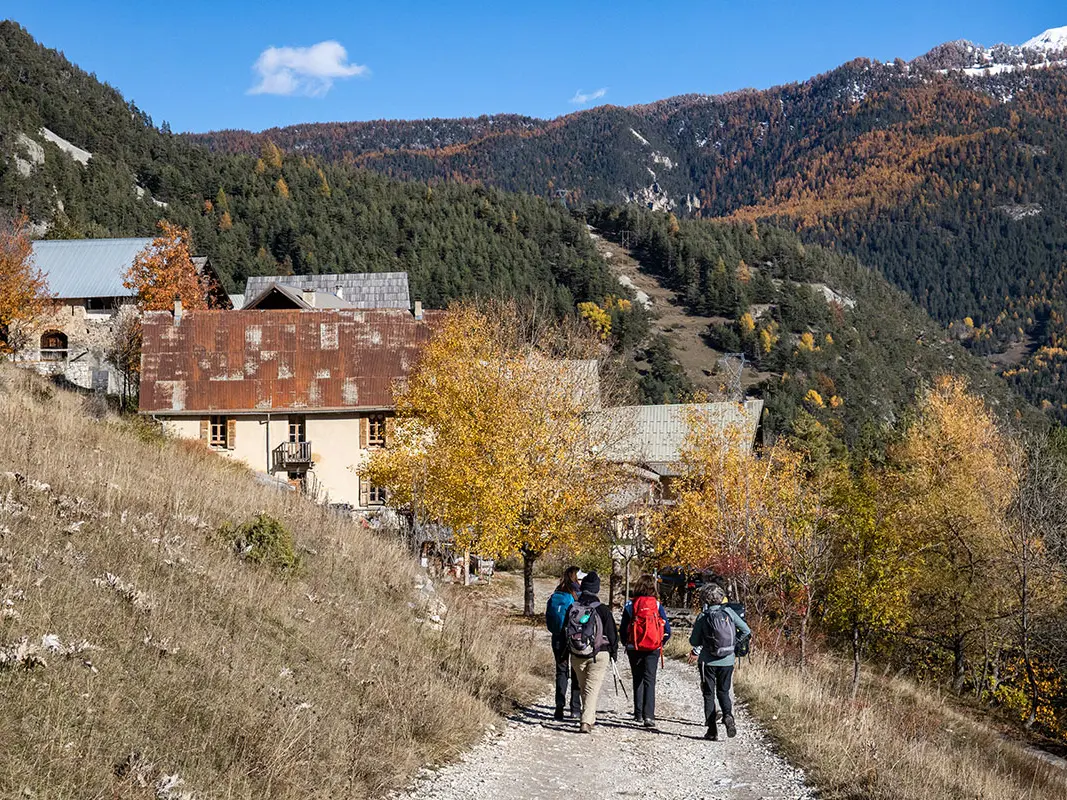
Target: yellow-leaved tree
x,y
491,439
956,480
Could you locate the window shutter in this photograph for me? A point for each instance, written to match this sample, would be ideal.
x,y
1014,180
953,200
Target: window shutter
x,y
364,492
205,428
231,433
390,427
364,432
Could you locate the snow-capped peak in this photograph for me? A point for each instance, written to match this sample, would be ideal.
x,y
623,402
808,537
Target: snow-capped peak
x,y
1052,39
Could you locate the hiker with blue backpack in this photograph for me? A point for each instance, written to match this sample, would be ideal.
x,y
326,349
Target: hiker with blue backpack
x,y
717,633
556,619
645,630
593,640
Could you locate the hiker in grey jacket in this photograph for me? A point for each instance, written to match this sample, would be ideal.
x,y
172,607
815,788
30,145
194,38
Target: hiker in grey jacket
x,y
716,669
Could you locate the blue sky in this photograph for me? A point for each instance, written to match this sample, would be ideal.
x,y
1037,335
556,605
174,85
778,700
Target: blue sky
x,y
194,64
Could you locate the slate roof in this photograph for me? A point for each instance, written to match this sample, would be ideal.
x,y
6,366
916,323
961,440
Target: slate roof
x,y
87,267
653,436
224,362
360,289
296,297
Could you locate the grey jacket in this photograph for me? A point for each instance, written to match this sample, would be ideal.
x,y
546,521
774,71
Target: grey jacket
x,y
696,638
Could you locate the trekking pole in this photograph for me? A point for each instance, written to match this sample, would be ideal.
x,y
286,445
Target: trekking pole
x,y
618,680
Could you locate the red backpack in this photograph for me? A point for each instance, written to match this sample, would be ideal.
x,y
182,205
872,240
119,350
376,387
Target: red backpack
x,y
646,631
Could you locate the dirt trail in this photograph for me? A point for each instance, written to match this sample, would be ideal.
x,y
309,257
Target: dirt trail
x,y
536,757
685,331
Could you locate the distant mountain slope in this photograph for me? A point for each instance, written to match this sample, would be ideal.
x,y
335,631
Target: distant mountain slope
x,y
948,173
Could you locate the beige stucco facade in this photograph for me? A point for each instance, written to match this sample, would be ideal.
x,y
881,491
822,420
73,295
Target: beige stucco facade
x,y
335,448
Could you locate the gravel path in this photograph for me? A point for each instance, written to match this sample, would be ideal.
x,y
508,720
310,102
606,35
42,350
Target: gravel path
x,y
536,757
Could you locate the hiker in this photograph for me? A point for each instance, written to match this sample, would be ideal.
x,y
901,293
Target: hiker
x,y
645,630
714,639
555,619
594,644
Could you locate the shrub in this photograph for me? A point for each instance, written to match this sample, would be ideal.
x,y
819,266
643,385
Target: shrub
x,y
263,540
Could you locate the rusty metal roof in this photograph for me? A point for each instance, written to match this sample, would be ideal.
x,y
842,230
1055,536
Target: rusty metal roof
x,y
257,361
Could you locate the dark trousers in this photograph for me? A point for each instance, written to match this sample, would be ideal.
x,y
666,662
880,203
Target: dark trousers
x,y
643,667
563,674
715,683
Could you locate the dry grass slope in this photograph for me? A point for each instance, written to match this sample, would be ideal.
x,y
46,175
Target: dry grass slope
x,y
895,741
173,669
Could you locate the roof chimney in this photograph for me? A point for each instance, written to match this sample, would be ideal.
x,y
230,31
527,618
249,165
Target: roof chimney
x,y
309,297
418,309
177,309
340,292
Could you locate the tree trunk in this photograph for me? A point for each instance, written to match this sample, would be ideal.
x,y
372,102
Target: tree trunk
x,y
959,665
855,659
528,559
615,584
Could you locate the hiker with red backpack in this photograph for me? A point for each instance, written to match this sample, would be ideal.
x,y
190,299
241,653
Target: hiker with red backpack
x,y
717,633
555,620
645,630
593,640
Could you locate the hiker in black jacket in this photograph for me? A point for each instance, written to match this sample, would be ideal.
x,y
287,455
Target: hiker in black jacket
x,y
594,646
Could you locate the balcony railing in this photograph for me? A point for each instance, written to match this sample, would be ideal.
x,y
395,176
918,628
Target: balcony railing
x,y
292,457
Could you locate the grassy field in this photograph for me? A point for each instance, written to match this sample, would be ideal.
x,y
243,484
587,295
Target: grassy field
x,y
140,656
895,741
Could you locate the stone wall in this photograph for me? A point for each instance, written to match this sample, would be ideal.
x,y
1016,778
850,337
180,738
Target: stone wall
x,y
89,336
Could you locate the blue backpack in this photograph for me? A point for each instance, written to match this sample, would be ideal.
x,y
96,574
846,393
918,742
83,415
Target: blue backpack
x,y
556,611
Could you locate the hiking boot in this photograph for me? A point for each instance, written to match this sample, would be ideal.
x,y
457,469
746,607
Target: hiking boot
x,y
713,733
731,728
558,716
638,716
649,722
585,728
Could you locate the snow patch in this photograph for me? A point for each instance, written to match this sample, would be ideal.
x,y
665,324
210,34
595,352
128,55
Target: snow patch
x,y
1016,212
1053,39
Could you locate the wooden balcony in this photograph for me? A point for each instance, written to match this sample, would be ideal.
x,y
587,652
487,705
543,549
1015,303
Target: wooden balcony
x,y
291,457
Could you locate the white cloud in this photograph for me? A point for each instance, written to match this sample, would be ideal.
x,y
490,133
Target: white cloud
x,y
581,97
303,70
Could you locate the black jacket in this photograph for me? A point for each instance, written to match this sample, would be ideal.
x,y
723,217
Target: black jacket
x,y
611,631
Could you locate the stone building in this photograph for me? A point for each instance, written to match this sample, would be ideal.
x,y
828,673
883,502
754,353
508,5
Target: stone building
x,y
85,277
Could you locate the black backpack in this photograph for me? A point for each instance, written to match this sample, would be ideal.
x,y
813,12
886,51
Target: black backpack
x,y
742,645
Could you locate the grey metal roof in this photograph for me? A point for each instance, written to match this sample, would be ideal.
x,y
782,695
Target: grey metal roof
x,y
237,300
654,435
87,267
360,289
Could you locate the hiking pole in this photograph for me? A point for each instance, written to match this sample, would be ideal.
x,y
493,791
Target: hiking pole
x,y
618,680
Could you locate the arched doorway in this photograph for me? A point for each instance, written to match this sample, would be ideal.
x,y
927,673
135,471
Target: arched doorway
x,y
53,346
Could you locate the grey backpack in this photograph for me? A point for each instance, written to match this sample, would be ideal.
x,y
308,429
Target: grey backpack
x,y
584,630
720,633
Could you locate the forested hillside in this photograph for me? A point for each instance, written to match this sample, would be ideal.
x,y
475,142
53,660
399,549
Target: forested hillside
x,y
268,213
846,352
844,369
948,173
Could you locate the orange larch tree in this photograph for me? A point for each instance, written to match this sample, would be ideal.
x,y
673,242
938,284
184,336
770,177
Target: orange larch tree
x,y
164,271
24,292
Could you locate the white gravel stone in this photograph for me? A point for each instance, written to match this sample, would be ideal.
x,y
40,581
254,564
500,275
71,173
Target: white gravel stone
x,y
536,757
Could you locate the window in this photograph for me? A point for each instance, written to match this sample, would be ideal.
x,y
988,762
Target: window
x,y
101,306
376,495
54,346
217,436
376,430
298,429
